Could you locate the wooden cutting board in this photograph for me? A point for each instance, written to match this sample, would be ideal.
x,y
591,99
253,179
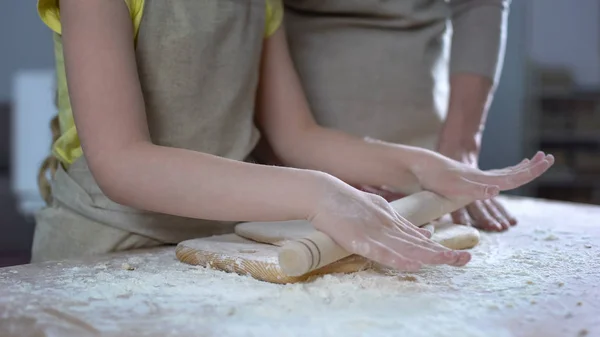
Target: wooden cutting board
x,y
235,254
253,250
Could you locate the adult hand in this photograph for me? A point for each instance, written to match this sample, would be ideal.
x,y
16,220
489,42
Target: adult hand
x,y
366,224
489,214
460,139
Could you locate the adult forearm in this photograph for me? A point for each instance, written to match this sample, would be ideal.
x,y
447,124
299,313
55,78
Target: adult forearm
x,y
478,43
197,185
470,98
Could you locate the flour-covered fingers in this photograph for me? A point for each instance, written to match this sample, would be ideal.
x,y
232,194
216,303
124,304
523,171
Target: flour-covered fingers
x,y
444,255
424,232
413,230
411,248
396,220
424,242
374,249
407,227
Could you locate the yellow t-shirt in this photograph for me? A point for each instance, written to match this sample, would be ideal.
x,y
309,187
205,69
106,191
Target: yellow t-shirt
x,y
68,148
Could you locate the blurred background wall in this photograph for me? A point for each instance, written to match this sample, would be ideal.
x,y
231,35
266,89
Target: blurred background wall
x,y
548,98
26,45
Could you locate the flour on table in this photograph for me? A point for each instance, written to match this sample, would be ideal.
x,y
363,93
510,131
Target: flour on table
x,y
510,277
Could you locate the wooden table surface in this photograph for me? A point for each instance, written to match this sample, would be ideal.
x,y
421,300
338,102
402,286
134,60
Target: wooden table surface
x,y
541,278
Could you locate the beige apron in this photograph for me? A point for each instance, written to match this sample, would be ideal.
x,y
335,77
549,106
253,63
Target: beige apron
x,y
376,68
198,64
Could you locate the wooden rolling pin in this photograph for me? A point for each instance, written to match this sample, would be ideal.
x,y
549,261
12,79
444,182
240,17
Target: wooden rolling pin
x,y
302,256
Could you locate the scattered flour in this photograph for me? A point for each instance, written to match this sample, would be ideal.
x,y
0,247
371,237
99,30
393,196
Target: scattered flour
x,y
509,279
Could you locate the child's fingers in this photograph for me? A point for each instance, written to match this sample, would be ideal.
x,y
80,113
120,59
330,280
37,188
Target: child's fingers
x,y
510,180
539,156
475,190
389,196
418,251
426,233
429,228
374,250
414,231
424,242
405,226
431,252
519,166
526,175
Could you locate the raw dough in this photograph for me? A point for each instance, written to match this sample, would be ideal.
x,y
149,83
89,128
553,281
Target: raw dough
x,y
455,236
232,253
278,233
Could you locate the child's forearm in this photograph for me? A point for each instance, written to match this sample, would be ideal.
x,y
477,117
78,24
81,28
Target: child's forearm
x,y
352,159
197,185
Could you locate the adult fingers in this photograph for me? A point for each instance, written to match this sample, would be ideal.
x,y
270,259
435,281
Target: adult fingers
x,y
511,219
496,214
482,218
461,217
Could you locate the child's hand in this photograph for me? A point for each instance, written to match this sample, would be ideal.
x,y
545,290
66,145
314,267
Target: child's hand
x,y
365,224
451,178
